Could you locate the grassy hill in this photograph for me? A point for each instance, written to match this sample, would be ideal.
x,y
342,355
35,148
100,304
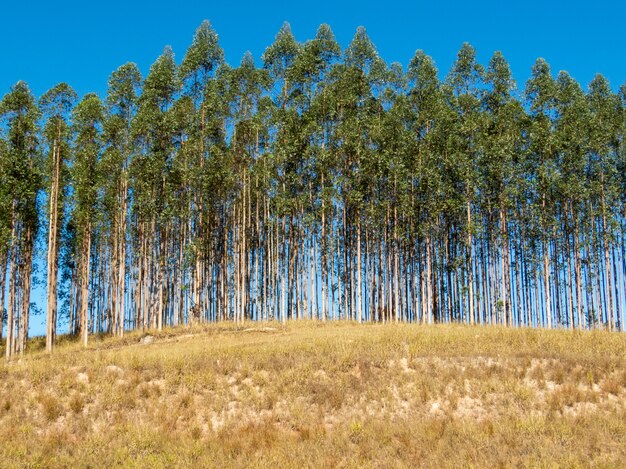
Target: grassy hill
x,y
319,395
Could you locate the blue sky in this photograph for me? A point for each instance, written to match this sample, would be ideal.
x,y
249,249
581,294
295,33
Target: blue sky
x,y
81,43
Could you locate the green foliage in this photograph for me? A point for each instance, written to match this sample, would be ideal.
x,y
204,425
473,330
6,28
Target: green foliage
x,y
204,55
88,116
22,166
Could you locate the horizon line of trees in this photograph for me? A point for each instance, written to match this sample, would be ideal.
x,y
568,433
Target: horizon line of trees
x,y
326,184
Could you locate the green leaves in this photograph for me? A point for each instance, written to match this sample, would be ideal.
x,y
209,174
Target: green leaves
x,y
58,101
23,165
500,79
161,84
88,116
124,86
466,73
540,88
204,56
279,57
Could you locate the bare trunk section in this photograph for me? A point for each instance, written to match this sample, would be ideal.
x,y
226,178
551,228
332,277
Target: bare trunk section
x,y
53,253
469,259
84,296
12,255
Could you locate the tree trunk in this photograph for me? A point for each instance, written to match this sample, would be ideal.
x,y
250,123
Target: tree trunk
x,y
53,255
84,296
470,261
358,271
4,259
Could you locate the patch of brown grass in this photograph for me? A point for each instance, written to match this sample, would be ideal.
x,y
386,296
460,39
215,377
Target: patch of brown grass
x,y
77,403
322,395
612,385
51,407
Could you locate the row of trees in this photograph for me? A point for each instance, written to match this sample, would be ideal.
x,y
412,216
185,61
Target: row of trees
x,y
326,184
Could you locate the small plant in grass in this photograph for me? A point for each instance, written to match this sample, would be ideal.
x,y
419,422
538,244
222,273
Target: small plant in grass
x,y
195,432
611,385
356,430
51,407
565,395
77,403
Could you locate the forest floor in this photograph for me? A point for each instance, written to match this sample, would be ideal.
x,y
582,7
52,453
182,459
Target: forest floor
x,y
319,395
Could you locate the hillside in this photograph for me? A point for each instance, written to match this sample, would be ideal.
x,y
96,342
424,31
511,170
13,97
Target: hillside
x,y
319,395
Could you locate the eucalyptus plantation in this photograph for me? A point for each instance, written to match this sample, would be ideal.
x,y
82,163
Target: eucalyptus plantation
x,y
322,184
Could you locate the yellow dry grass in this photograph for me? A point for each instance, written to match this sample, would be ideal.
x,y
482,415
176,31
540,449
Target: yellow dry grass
x,y
320,395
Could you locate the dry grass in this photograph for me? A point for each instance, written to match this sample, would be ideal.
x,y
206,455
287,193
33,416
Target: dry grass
x,y
320,395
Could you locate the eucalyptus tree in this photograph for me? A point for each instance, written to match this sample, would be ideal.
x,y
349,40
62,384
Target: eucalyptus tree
x,y
500,168
621,181
121,106
604,121
5,224
87,123
154,129
540,94
248,117
19,114
571,137
198,72
356,104
289,145
314,65
621,170
299,147
465,79
390,190
217,179
429,119
56,105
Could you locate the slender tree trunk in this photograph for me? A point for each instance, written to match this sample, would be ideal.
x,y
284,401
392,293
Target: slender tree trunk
x,y
504,294
546,274
324,249
358,271
12,287
608,281
26,268
121,278
51,316
4,260
84,296
470,261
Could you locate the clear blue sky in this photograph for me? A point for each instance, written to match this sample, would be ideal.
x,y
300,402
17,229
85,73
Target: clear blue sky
x,y
82,42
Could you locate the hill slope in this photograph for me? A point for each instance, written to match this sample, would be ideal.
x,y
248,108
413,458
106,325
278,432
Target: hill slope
x,y
312,394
